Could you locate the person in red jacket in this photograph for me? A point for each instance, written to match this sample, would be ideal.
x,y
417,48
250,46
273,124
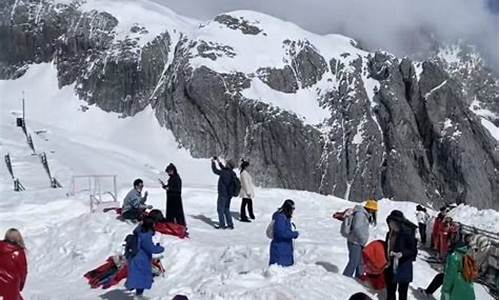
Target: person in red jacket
x,y
435,240
13,266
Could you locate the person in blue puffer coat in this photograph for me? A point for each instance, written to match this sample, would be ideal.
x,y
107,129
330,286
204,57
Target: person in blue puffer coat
x,y
281,251
140,275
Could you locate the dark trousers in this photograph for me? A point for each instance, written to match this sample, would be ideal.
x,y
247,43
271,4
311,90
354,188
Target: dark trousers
x,y
435,284
392,286
223,205
139,291
132,214
246,202
175,212
422,228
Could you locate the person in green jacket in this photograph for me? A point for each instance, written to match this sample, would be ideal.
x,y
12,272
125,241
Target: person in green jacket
x,y
455,287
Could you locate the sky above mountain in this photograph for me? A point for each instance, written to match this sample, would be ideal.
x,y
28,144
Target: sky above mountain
x,y
400,26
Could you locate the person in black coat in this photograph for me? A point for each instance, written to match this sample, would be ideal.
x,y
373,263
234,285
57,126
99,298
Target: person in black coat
x,y
225,190
401,251
174,211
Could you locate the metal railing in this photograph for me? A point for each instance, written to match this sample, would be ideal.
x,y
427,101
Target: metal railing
x,y
93,185
53,181
18,187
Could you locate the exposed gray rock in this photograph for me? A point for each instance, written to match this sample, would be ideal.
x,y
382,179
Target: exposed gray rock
x,y
279,79
306,62
337,67
238,24
415,139
479,84
236,127
212,50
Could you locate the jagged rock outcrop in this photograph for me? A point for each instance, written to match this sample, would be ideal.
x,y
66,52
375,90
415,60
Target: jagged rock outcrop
x,y
370,124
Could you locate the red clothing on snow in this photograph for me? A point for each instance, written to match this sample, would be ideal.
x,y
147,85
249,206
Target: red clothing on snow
x,y
13,270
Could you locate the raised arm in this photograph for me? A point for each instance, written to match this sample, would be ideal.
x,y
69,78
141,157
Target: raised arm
x,y
214,168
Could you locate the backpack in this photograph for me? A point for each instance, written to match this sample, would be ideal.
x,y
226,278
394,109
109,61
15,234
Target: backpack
x,y
236,186
470,269
131,245
345,227
270,230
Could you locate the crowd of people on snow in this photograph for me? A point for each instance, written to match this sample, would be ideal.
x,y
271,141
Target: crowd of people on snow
x,y
383,264
389,263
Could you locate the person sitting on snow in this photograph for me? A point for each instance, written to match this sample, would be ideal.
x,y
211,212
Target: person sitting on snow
x,y
134,204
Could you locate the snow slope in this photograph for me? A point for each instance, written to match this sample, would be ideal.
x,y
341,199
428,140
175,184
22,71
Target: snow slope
x,y
64,240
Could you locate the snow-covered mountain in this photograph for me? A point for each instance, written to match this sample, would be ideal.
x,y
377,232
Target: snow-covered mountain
x,y
311,112
64,240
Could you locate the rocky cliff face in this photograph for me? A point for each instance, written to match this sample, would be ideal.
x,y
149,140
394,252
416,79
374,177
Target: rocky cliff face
x,y
310,112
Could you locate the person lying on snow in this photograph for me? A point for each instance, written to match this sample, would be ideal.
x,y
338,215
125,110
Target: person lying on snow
x,y
140,276
115,270
164,227
134,204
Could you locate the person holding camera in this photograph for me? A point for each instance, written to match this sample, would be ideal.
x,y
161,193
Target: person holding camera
x,y
225,190
174,211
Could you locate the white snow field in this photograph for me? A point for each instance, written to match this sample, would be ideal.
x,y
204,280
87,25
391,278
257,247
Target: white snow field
x,y
64,240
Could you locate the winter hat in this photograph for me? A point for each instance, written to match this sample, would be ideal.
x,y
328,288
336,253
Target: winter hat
x,y
371,204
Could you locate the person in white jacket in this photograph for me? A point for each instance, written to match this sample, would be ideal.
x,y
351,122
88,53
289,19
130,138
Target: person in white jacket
x,y
422,219
246,192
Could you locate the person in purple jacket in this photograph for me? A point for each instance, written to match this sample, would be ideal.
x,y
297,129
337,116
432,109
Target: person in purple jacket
x,y
281,250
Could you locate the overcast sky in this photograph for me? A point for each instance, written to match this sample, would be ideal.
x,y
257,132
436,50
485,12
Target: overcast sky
x,y
393,25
